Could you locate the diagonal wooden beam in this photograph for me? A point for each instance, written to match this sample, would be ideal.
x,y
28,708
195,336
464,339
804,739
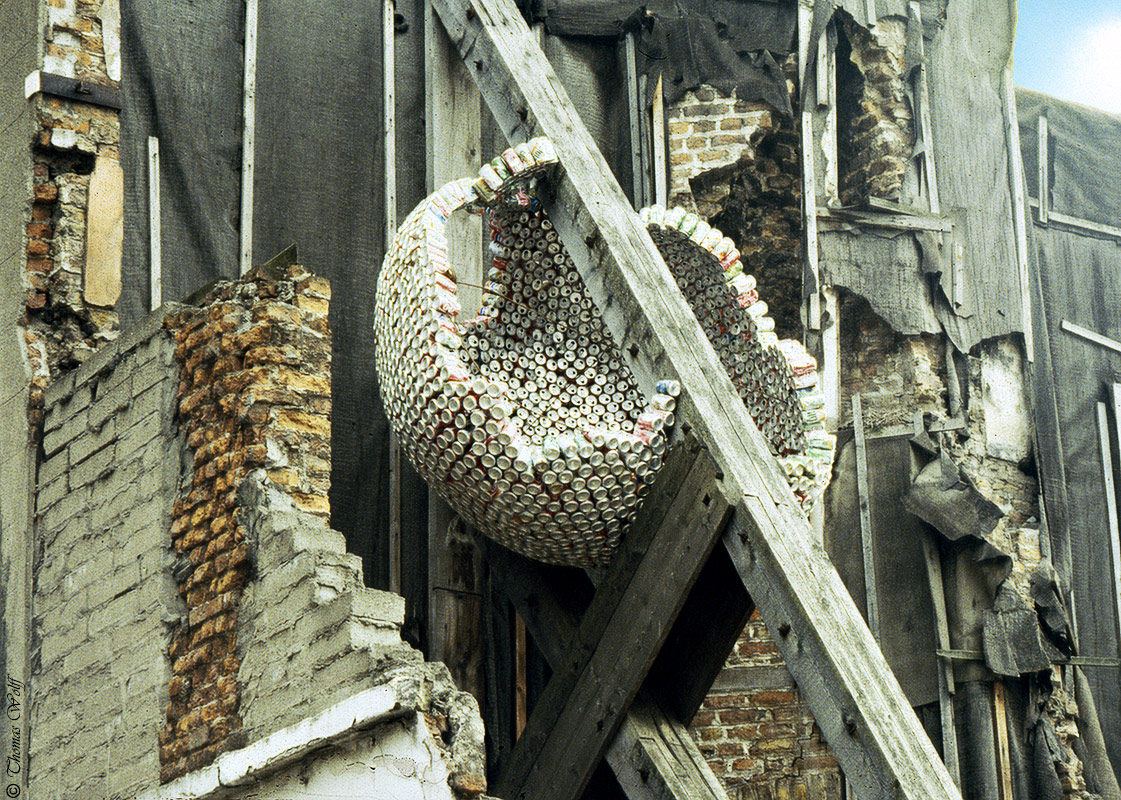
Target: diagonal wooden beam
x,y
630,615
847,683
652,754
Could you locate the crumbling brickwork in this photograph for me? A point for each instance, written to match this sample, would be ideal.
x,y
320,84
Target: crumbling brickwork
x,y
104,596
876,130
69,310
254,393
756,731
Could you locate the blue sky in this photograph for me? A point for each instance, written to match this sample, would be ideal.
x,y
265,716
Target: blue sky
x,y
1071,50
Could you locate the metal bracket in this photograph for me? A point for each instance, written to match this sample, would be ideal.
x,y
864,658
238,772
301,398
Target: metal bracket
x,y
95,94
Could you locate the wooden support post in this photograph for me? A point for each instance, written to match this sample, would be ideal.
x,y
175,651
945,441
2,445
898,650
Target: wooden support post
x,y
586,700
389,168
809,214
634,104
945,668
455,567
1044,174
1019,207
830,368
864,495
155,234
1110,488
661,162
652,755
848,685
248,136
1003,755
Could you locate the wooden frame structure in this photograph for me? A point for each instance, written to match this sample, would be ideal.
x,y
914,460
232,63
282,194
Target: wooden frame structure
x,y
724,522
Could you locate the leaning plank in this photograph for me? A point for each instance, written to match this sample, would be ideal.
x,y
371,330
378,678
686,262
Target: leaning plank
x,y
652,755
628,619
828,648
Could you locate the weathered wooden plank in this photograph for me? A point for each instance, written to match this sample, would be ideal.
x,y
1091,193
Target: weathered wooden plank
x,y
1003,755
1110,489
155,233
455,567
1090,336
1019,206
834,218
619,636
845,679
864,498
248,136
652,754
1044,163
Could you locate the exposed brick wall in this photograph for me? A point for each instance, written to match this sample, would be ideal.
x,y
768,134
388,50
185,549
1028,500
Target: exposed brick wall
x,y
104,596
63,329
254,392
756,731
876,131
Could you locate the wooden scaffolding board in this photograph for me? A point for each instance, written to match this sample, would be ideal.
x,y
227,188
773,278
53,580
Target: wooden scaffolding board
x,y
847,683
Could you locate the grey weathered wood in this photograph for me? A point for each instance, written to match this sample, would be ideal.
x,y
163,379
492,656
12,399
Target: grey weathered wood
x,y
652,755
864,496
945,669
925,124
1077,223
846,681
1044,173
1114,530
634,106
248,136
661,162
455,567
1090,336
155,234
1019,207
1003,755
629,617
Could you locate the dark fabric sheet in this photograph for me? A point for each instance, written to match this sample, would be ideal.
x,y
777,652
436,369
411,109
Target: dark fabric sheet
x,y
1080,281
729,44
319,184
1083,144
907,635
182,80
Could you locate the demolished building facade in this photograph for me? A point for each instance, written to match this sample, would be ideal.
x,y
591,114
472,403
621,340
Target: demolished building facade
x,y
207,534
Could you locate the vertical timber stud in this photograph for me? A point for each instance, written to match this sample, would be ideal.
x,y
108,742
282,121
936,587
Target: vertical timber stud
x,y
661,166
828,648
248,136
389,144
634,104
864,495
1111,493
155,234
455,598
809,179
1019,206
1044,158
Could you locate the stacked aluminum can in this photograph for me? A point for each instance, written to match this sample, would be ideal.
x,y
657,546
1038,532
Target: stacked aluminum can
x,y
525,419
777,379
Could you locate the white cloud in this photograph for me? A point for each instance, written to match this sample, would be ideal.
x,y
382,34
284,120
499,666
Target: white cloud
x,y
1093,66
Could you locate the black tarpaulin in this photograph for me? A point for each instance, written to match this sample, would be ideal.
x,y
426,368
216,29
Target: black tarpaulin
x,y
1080,279
1077,277
728,44
906,634
181,82
1011,636
320,185
1085,169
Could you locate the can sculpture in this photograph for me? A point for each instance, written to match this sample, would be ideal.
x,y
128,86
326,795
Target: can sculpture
x,y
526,419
